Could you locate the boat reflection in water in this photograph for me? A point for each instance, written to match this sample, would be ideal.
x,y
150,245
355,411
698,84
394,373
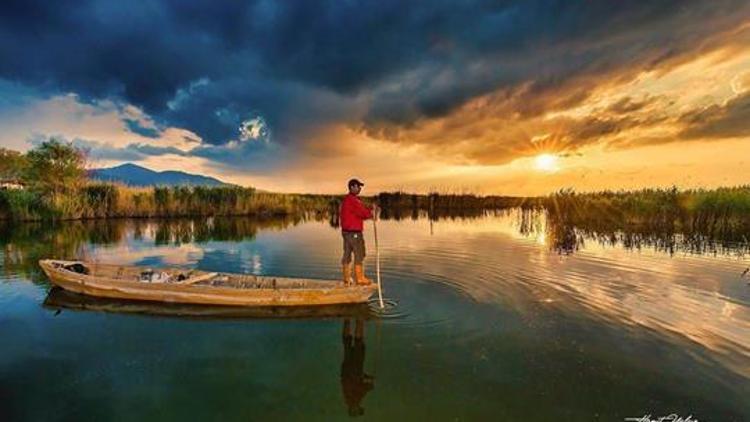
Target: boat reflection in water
x,y
355,383
60,299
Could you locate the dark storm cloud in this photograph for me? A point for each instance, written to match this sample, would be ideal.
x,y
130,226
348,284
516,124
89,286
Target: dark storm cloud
x,y
206,65
629,105
719,121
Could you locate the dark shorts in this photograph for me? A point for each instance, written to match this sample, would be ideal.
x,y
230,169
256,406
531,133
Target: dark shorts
x,y
354,243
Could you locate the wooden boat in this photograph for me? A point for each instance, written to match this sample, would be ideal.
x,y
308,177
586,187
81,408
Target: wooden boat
x,y
199,287
60,299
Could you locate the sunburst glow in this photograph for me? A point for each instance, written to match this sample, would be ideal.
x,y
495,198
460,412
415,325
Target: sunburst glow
x,y
546,162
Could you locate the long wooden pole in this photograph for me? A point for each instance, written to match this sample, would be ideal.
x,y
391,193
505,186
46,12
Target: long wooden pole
x,y
377,262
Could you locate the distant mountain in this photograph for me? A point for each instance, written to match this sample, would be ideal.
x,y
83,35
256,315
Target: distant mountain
x,y
133,175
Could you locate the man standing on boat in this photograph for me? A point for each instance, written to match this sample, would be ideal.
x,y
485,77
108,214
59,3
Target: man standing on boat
x,y
352,214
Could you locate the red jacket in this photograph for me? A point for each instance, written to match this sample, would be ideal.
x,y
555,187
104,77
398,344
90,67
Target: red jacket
x,y
353,213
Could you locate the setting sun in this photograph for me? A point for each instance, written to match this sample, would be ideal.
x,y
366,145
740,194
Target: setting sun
x,y
546,162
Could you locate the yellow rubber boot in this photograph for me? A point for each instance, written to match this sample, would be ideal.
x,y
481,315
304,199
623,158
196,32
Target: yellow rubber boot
x,y
359,272
346,273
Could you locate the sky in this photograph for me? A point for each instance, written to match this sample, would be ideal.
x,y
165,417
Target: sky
x,y
508,97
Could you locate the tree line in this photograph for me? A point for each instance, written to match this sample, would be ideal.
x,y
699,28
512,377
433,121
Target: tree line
x,y
56,186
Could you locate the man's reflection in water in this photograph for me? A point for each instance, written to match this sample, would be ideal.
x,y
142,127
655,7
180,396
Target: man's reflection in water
x,y
354,382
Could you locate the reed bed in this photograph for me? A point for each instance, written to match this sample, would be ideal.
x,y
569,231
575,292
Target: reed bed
x,y
442,203
102,200
722,210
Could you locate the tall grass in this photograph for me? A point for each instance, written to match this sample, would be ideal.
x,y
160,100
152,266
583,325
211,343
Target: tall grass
x,y
20,205
102,200
436,200
722,210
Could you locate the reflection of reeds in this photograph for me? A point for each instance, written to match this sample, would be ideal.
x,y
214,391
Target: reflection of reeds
x,y
696,221
23,245
567,236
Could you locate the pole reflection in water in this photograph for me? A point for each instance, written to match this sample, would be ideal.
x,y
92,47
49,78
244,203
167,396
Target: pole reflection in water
x,y
355,383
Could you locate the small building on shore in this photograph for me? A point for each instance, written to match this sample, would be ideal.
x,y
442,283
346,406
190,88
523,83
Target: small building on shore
x,y
8,184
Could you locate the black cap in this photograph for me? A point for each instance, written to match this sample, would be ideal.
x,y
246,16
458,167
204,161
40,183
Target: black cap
x,y
353,182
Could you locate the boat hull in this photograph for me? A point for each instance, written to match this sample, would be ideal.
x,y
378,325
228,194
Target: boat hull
x,y
61,299
269,291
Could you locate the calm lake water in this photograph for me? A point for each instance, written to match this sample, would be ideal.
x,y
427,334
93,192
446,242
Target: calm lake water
x,y
493,321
